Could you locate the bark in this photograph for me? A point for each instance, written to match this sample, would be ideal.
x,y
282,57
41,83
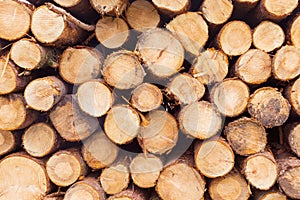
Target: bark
x,y
54,196
269,195
292,137
132,193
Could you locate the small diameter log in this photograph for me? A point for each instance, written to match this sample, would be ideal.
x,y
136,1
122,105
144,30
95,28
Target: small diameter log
x,y
163,57
185,89
286,63
293,95
180,181
231,97
233,186
43,93
112,32
235,38
65,167
270,195
23,177
207,120
292,133
94,98
159,133
145,170
269,107
40,139
214,158
192,31
132,193
115,178
123,70
14,114
122,124
246,136
15,19
79,64
211,66
70,122
268,36
108,7
253,67
98,151
54,196
172,8
87,189
142,15
146,97
293,31
9,141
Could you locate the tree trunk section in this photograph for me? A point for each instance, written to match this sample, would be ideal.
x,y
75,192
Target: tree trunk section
x,y
293,95
293,31
9,141
292,136
132,193
172,8
269,195
108,7
54,196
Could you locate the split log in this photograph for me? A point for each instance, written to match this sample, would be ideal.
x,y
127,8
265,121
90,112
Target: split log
x,y
235,38
65,167
122,124
293,95
207,121
211,66
246,136
231,97
163,57
9,141
79,64
269,107
268,36
123,70
142,15
293,31
132,193
192,31
270,195
172,8
113,8
98,151
292,136
254,67
54,196
72,124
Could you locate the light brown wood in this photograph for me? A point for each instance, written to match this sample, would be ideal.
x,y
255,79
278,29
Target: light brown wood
x,y
123,70
269,107
271,195
71,123
201,120
235,38
293,137
246,136
132,193
192,31
108,7
65,167
293,95
79,64
211,66
163,57
54,196
98,151
9,141
253,67
172,8
293,31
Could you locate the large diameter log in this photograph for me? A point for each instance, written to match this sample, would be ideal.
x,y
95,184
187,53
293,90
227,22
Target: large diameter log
x,y
292,133
108,7
293,31
9,141
293,95
131,193
172,8
269,107
15,183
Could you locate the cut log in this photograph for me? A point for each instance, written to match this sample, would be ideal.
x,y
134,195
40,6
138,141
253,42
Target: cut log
x,y
253,67
98,151
115,178
235,38
292,133
54,196
211,66
214,157
233,186
207,121
108,7
123,70
112,32
79,64
246,136
270,195
122,124
14,114
15,183
268,36
72,124
146,97
231,97
43,93
94,98
293,95
163,57
269,107
192,31
172,8
142,15
293,31
9,141
180,181
145,170
14,19
65,167
286,63
87,189
132,193
40,139
159,133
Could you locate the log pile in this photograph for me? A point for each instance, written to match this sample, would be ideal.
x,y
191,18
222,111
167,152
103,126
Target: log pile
x,y
141,99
